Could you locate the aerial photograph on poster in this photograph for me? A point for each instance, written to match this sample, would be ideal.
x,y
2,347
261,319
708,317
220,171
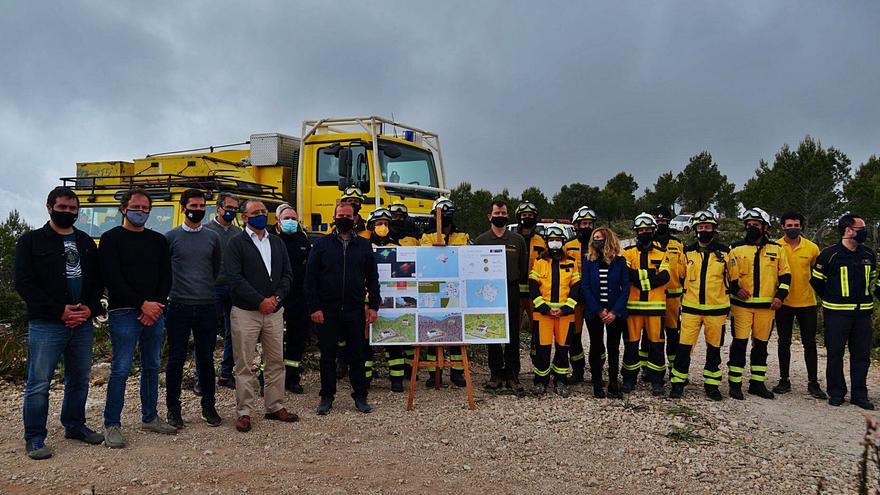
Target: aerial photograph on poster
x,y
482,327
439,327
394,328
439,294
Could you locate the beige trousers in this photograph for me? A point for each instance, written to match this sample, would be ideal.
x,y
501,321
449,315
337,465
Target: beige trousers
x,y
248,327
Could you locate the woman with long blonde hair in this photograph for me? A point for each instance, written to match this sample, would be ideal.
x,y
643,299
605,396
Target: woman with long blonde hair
x,y
605,288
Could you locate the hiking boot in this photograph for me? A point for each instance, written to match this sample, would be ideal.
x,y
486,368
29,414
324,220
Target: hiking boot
x,y
397,384
815,391
495,382
658,389
712,392
432,379
113,437
759,389
37,450
736,392
362,405
159,425
514,384
85,434
676,391
598,389
210,416
457,378
614,390
228,382
175,419
325,406
562,389
783,387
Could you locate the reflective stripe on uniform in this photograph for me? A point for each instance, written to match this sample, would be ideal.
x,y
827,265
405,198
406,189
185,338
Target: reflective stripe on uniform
x,y
712,377
867,280
844,281
632,367
542,373
848,307
396,362
655,367
395,373
643,280
577,357
659,305
678,376
558,370
291,363
819,275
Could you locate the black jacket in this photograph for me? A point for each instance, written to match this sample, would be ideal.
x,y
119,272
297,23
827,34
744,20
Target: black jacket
x,y
298,249
842,279
247,276
339,278
40,273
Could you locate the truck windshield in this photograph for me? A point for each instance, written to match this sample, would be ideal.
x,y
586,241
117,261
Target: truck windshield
x,y
414,166
95,220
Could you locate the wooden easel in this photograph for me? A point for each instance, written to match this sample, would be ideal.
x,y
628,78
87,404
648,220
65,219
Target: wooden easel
x,y
441,361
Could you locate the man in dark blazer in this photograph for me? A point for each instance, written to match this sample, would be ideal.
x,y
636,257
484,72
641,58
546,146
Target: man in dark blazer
x,y
258,270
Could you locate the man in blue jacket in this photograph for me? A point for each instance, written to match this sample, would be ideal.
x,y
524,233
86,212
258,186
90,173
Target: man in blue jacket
x,y
340,274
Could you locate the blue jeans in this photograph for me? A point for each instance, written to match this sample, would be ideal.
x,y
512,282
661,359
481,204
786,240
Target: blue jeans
x,y
49,341
224,307
201,321
125,334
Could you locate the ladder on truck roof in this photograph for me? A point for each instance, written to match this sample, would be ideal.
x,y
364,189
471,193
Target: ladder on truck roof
x,y
160,186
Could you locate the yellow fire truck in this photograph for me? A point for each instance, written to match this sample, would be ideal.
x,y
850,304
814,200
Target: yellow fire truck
x,y
388,161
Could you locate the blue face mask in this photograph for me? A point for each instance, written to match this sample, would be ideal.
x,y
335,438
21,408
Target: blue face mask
x,y
229,216
137,218
289,226
258,222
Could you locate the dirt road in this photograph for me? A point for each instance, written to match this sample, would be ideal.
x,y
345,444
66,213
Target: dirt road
x,y
508,445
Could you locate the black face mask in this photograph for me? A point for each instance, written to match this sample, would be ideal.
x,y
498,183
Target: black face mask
x,y
344,224
645,239
499,221
662,231
705,236
584,233
598,245
792,233
752,233
528,222
861,236
63,219
195,216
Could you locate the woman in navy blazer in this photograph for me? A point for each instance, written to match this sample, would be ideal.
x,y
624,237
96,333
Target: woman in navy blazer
x,y
605,288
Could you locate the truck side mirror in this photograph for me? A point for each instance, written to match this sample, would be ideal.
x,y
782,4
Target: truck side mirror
x,y
390,150
344,167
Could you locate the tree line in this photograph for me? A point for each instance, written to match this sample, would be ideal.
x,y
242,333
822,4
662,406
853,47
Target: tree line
x,y
818,182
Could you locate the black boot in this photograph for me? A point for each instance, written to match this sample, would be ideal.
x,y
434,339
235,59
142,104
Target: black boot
x,y
495,382
783,387
431,381
614,390
362,405
291,381
658,389
629,384
759,389
457,378
815,391
712,392
598,389
736,391
676,391
577,375
397,384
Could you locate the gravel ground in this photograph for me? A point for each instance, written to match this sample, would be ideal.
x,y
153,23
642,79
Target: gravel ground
x,y
508,445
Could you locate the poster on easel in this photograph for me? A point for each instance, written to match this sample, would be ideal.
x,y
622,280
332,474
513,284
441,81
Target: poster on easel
x,y
448,295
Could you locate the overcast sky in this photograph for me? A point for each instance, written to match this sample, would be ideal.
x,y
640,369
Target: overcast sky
x,y
520,95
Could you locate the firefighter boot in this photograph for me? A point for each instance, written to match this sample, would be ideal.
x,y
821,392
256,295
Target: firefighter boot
x,y
614,390
397,384
598,389
759,389
457,378
677,390
736,391
432,379
712,392
292,382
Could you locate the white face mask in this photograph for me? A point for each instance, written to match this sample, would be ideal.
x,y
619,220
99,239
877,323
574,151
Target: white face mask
x,y
554,244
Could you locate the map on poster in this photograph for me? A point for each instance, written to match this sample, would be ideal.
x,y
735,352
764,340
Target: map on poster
x,y
441,295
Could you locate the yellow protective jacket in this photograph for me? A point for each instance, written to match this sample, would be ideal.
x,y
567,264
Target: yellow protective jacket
x,y
408,241
801,260
675,251
762,269
537,246
576,250
705,273
554,284
648,275
454,238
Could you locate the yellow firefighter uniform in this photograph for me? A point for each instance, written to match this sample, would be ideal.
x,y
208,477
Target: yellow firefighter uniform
x,y
646,307
555,284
